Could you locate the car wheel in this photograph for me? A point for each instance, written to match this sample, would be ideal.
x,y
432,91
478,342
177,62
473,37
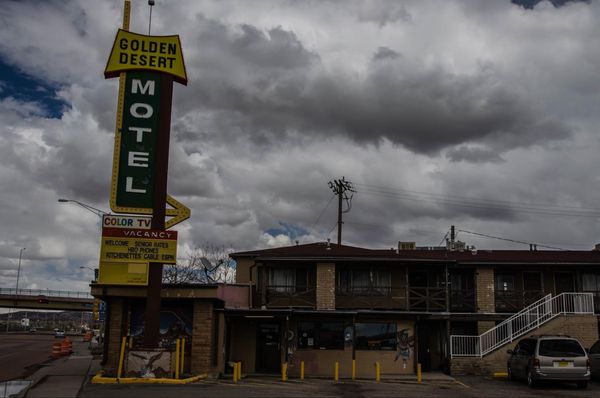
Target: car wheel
x,y
582,384
530,381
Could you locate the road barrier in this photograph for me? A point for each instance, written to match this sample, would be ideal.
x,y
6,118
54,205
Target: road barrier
x,y
66,347
56,350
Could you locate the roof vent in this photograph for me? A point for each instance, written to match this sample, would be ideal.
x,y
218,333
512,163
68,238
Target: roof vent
x,y
407,245
328,244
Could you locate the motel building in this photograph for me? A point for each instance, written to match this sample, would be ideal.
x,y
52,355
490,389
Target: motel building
x,y
451,309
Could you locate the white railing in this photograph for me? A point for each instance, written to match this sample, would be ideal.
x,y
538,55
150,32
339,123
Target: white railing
x,y
529,318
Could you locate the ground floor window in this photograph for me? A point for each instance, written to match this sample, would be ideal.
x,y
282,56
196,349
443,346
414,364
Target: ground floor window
x,y
376,336
321,335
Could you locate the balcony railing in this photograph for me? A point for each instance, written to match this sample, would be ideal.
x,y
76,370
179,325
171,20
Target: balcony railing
x,y
429,299
462,300
515,300
373,297
288,296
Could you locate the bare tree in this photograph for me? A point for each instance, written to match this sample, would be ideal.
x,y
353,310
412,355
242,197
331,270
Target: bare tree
x,y
208,263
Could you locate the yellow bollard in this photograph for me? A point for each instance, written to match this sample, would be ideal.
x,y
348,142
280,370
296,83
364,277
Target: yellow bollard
x,y
377,372
177,359
121,356
182,355
284,371
301,370
419,375
354,369
336,372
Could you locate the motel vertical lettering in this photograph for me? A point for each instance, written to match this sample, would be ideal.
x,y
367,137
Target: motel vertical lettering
x,y
141,118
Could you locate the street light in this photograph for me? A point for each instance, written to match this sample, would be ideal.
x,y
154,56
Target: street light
x,y
19,269
8,319
92,209
94,270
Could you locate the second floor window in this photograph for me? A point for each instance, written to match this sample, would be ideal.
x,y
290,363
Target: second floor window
x,y
505,282
590,282
364,281
283,280
288,280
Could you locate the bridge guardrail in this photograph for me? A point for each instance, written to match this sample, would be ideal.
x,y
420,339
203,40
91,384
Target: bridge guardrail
x,y
45,292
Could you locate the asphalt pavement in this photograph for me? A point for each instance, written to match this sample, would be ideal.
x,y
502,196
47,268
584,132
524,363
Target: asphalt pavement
x,y
24,353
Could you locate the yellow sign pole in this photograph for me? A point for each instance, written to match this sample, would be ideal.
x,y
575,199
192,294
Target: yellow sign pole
x,y
121,356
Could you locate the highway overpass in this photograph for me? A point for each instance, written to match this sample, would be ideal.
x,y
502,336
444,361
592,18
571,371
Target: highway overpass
x,y
41,299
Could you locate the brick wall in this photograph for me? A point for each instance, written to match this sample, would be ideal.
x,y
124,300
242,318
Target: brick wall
x,y
484,326
485,289
325,286
115,327
202,337
583,327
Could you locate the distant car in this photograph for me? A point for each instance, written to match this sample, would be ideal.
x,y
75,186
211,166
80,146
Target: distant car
x,y
59,333
32,330
551,358
594,355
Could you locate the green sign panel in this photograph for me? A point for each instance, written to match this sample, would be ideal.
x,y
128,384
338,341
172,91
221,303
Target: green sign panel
x,y
139,131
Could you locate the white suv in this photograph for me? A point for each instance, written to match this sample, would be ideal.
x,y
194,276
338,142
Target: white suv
x,y
552,358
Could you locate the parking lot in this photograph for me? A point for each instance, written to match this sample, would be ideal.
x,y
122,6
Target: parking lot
x,y
471,386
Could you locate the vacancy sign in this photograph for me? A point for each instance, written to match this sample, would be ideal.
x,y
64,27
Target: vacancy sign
x,y
122,245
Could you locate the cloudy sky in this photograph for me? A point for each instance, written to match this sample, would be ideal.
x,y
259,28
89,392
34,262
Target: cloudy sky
x,y
480,114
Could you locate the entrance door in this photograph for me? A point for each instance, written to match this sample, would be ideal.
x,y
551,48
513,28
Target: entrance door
x,y
424,346
432,345
268,358
563,282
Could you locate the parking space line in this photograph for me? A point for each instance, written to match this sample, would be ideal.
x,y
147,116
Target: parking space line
x,y
462,384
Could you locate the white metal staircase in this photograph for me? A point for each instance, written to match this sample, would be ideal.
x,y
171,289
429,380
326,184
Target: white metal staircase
x,y
527,319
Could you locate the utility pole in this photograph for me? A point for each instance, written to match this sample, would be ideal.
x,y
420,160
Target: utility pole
x,y
340,187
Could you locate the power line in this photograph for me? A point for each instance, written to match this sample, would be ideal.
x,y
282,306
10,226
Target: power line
x,y
322,211
464,202
511,240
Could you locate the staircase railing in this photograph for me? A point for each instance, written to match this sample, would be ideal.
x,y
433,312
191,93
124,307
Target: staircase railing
x,y
529,318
